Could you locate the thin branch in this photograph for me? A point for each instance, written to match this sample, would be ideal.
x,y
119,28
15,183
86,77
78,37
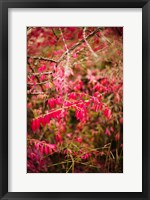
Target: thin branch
x,y
67,52
104,37
39,83
29,30
53,111
88,45
36,93
39,74
55,34
63,162
87,164
37,78
42,58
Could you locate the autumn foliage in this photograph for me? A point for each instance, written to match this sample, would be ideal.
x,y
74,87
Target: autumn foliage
x,y
74,99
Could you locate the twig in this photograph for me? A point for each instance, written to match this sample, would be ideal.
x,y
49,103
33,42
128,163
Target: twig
x,y
42,58
72,163
87,164
36,93
29,30
53,111
69,168
107,156
88,45
39,83
67,52
40,73
60,163
105,38
55,34
38,80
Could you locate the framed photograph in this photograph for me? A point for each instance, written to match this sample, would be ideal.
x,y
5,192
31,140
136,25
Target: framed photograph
x,y
74,99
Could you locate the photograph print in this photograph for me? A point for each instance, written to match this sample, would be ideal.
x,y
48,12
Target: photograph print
x,y
74,99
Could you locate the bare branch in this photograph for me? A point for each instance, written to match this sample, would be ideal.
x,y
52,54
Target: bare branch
x,y
39,74
55,34
104,37
67,53
39,83
88,45
35,93
37,78
42,58
29,30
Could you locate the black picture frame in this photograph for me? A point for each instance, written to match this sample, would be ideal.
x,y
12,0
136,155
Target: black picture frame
x,y
4,6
